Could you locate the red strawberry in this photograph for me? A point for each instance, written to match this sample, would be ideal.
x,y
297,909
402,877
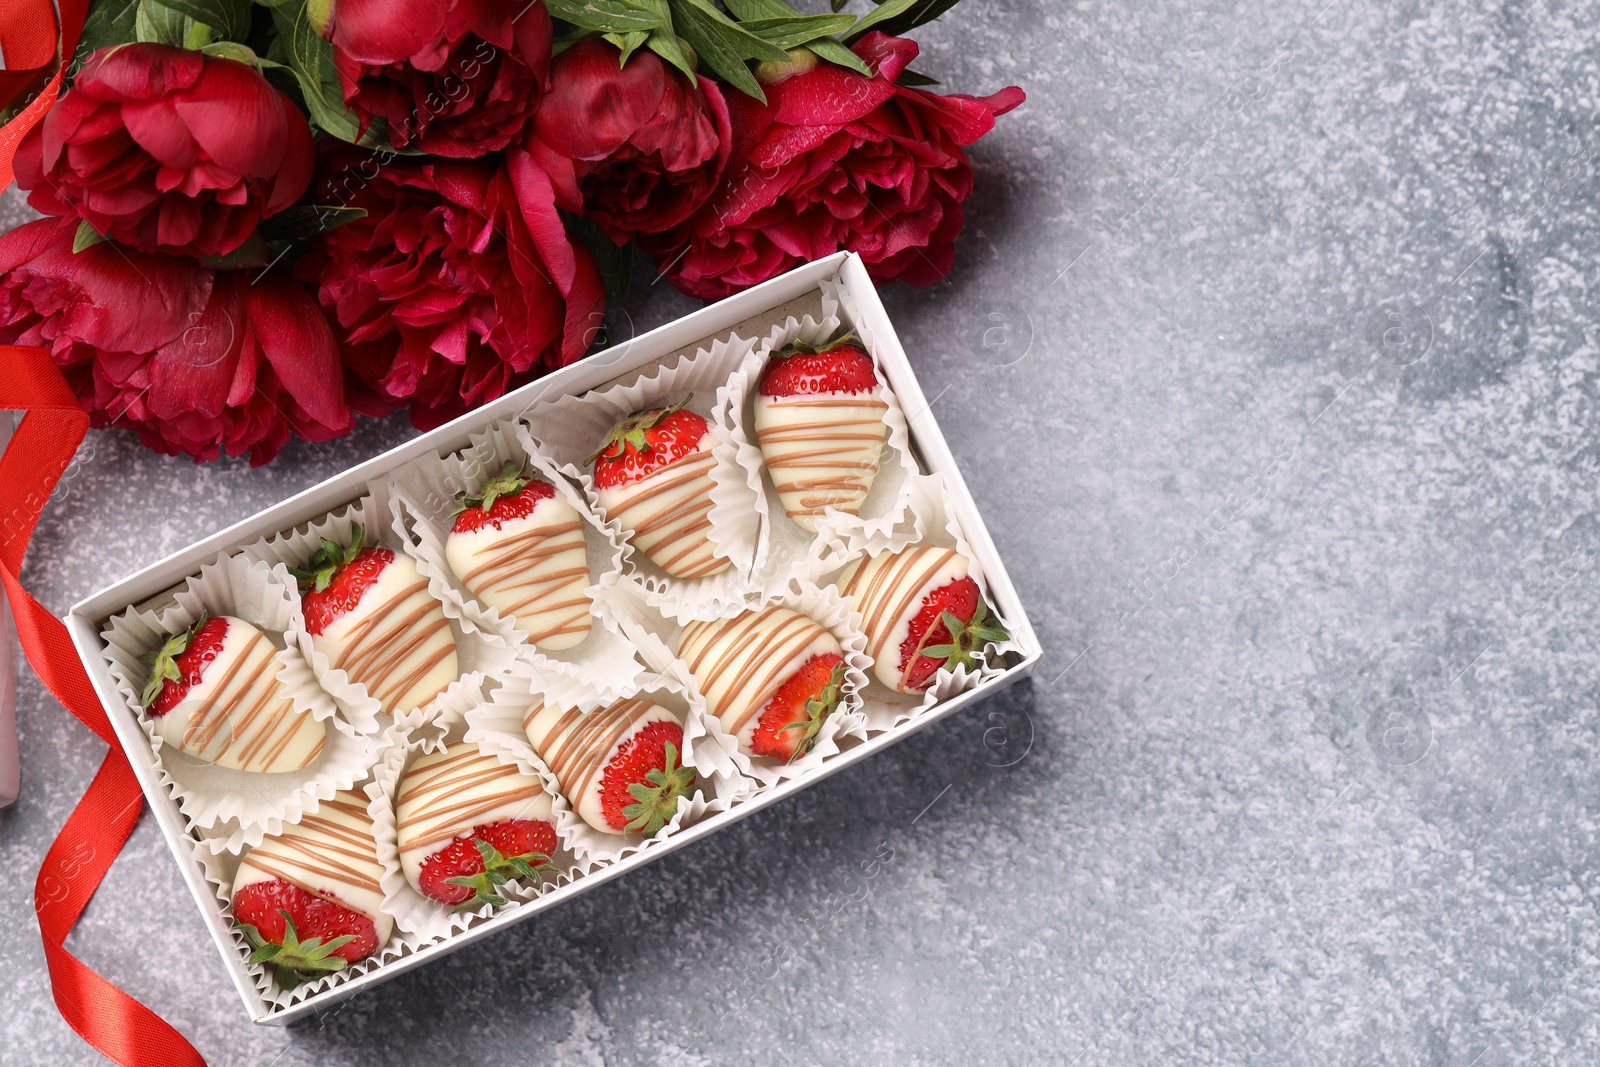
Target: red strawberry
x,y
302,935
508,495
788,725
179,663
337,577
469,869
799,369
640,787
948,630
646,441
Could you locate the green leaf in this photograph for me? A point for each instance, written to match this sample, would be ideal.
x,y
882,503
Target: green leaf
x,y
237,52
705,36
898,17
86,237
615,264
665,45
306,221
824,47
745,43
628,43
796,30
110,22
837,5
228,19
605,16
311,60
265,953
159,24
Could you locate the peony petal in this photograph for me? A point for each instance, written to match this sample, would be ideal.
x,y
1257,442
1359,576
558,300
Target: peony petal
x,y
193,372
297,342
379,32
156,127
139,71
236,117
593,107
299,159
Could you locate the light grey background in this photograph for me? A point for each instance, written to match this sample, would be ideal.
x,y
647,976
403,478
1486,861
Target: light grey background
x,y
1270,357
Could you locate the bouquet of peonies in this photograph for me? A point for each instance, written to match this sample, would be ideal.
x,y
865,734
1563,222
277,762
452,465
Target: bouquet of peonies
x,y
266,218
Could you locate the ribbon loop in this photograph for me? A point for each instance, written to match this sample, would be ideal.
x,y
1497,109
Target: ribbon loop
x,y
106,1017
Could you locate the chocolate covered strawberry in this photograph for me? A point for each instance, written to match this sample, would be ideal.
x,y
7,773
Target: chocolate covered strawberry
x,y
214,694
369,611
772,677
308,898
921,611
518,546
468,824
652,474
620,767
819,424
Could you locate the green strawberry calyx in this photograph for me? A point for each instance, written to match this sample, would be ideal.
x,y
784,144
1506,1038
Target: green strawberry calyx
x,y
295,961
164,661
631,431
967,639
497,871
328,560
657,796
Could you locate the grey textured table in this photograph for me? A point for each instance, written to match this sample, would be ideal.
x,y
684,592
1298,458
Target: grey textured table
x,y
1270,357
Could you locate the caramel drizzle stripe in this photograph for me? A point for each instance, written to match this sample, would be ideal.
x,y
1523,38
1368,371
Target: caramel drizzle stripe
x,y
755,647
556,583
370,653
675,527
903,576
247,732
324,858
458,774
848,489
523,549
583,741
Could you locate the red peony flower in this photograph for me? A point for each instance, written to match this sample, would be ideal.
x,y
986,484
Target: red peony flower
x,y
167,150
451,77
836,160
197,361
638,148
459,284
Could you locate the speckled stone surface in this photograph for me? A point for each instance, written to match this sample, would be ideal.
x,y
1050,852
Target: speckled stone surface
x,y
1270,357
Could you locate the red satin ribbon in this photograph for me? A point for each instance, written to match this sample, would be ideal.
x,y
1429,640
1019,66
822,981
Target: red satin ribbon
x,y
106,1017
28,37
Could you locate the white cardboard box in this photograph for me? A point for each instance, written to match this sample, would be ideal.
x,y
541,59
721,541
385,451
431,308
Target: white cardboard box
x,y
87,617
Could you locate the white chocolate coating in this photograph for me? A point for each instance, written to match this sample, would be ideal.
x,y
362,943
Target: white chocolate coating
x,y
888,590
821,450
444,795
666,514
395,641
741,662
330,853
533,569
238,714
577,746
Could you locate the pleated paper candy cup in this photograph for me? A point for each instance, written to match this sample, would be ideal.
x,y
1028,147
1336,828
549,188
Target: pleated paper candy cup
x,y
481,653
249,803
425,491
498,725
571,428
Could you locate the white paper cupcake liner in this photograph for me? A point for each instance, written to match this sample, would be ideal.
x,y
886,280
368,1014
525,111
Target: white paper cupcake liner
x,y
249,804
497,726
657,639
220,863
785,543
421,919
570,428
480,653
425,491
928,519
